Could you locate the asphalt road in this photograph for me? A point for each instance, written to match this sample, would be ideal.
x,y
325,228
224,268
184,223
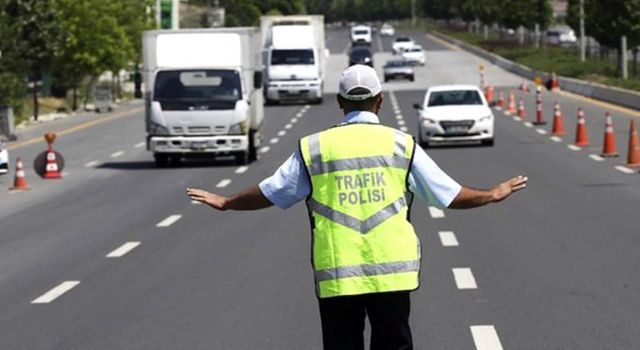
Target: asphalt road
x,y
554,267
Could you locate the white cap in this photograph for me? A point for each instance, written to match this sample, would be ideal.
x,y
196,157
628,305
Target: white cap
x,y
359,82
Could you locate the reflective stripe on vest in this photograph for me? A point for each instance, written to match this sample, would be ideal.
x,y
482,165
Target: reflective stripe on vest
x,y
359,204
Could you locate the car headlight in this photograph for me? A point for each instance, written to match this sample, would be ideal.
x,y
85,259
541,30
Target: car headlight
x,y
485,118
156,129
238,128
428,122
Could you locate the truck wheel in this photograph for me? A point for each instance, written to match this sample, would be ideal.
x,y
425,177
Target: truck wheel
x,y
242,158
253,149
162,160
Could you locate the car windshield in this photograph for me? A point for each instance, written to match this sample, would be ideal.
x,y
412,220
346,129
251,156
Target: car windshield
x,y
397,64
401,40
414,49
454,97
360,53
291,57
203,85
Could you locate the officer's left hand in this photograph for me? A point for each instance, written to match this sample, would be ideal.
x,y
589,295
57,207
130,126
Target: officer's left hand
x,y
211,199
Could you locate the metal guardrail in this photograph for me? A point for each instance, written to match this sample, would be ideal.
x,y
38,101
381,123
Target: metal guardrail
x,y
622,97
6,124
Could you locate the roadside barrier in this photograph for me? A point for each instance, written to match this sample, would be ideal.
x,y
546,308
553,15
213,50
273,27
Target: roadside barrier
x,y
633,155
582,138
512,104
522,113
609,148
558,124
20,182
539,117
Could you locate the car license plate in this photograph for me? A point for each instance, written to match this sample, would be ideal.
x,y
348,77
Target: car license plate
x,y
199,145
457,129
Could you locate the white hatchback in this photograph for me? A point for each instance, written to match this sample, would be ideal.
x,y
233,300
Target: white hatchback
x,y
415,55
387,30
402,43
4,159
455,113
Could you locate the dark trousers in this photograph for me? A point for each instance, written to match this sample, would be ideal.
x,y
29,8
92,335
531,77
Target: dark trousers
x,y
343,321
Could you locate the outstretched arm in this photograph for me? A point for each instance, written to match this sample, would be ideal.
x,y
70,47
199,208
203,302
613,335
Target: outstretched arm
x,y
249,199
472,198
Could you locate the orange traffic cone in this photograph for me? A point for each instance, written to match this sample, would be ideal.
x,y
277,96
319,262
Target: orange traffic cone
x,y
524,87
555,85
582,138
488,94
522,113
500,103
609,148
52,171
633,156
20,182
558,124
512,104
539,116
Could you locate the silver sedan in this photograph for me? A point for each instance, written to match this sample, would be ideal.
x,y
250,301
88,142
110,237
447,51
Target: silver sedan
x,y
398,69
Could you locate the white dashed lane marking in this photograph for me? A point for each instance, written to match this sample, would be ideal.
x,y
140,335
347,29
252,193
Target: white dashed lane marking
x,y
282,133
398,116
265,149
516,118
223,183
117,154
91,164
140,144
485,337
448,239
400,122
242,169
195,203
528,124
556,139
288,126
541,131
55,292
170,220
624,169
123,249
464,278
596,157
435,212
404,128
274,140
294,120
573,147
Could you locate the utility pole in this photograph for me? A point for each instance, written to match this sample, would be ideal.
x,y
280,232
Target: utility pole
x,y
623,58
413,12
583,40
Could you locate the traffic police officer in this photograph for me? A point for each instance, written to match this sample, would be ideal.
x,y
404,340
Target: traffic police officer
x,y
358,179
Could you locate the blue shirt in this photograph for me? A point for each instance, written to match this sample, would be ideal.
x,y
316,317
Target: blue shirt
x,y
290,184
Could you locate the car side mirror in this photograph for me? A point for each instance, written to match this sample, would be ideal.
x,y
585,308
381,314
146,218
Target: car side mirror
x,y
257,80
417,106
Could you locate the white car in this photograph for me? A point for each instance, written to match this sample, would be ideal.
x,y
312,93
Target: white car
x,y
414,54
4,159
455,113
387,30
361,34
402,43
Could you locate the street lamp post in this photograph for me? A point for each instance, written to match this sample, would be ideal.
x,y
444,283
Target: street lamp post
x,y
583,40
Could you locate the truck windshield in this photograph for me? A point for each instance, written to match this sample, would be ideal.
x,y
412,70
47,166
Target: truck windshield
x,y
214,89
457,97
279,57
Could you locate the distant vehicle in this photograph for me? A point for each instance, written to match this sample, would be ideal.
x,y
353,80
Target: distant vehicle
x,y
361,34
4,159
454,113
561,36
295,57
415,55
199,102
401,43
398,69
361,55
387,30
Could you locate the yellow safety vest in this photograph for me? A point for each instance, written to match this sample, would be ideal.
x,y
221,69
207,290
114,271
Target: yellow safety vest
x,y
363,241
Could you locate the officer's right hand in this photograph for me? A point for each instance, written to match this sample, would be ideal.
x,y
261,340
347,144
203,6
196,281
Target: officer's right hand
x,y
211,199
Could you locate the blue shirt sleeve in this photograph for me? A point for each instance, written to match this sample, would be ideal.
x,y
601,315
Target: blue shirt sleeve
x,y
430,183
288,185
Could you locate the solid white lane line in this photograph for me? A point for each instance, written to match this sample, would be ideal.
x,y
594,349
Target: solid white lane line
x,y
55,292
573,147
624,169
448,239
123,249
596,157
265,149
242,169
223,183
485,337
274,140
91,164
541,131
401,122
464,278
556,139
288,126
117,154
140,144
404,128
170,220
528,124
282,133
435,212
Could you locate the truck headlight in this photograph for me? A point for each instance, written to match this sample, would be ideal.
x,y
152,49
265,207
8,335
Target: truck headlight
x,y
485,118
239,128
156,129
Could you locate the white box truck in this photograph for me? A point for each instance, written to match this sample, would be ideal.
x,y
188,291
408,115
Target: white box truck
x,y
203,93
295,58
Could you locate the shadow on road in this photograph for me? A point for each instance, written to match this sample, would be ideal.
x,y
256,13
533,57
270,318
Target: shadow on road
x,y
150,165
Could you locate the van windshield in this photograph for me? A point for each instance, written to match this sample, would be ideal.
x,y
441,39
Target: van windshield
x,y
288,57
361,32
457,97
215,89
